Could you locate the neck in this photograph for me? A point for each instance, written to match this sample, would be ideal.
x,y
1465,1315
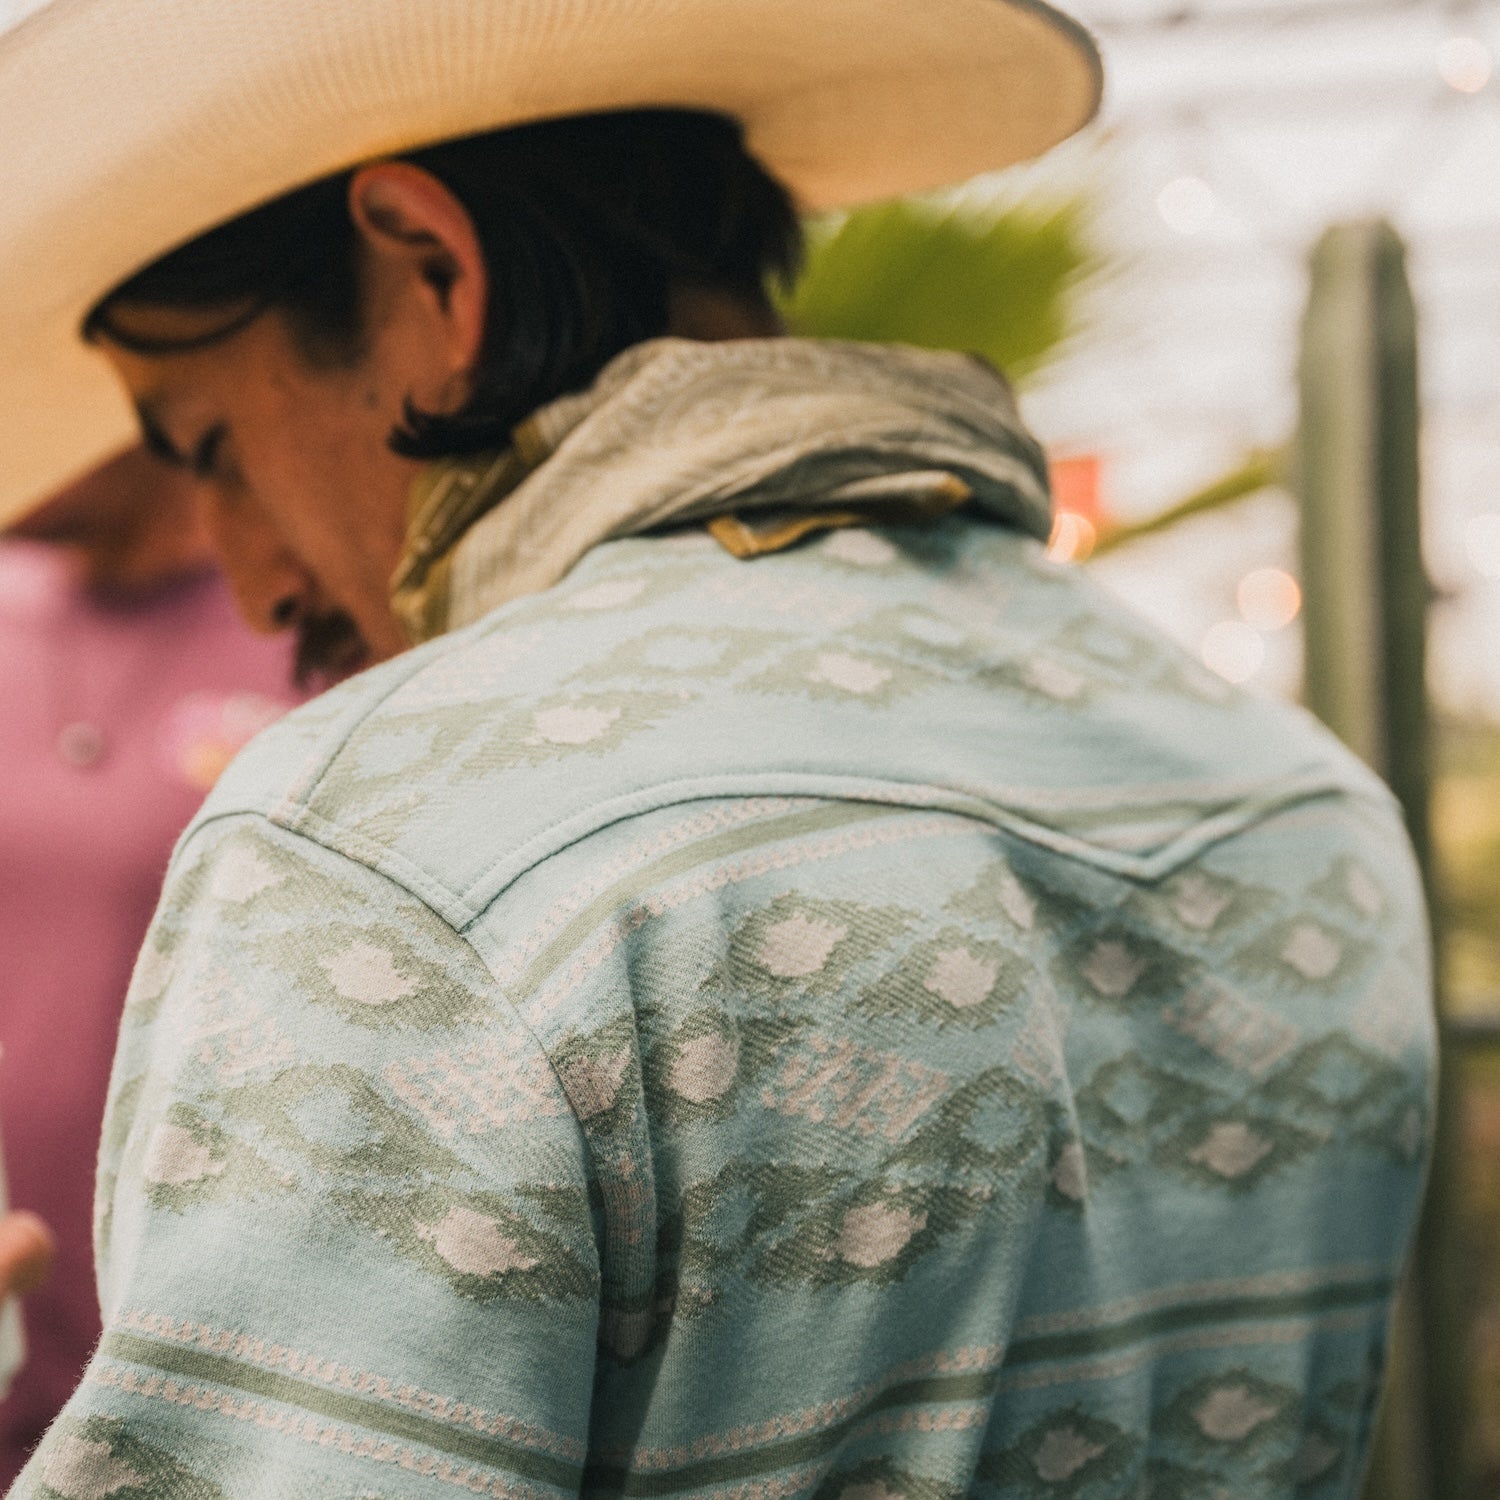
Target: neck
x,y
713,316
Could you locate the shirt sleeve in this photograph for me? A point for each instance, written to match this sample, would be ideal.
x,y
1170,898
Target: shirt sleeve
x,y
335,1166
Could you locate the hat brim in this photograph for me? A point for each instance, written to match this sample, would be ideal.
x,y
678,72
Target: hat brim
x,y
130,126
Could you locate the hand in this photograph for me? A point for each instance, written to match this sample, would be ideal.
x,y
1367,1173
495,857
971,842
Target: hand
x,y
26,1249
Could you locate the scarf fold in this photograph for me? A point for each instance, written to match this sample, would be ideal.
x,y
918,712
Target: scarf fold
x,y
762,440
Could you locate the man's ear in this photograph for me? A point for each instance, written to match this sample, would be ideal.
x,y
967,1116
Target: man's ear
x,y
420,235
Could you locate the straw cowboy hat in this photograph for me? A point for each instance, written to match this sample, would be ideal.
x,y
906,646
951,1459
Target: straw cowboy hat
x,y
130,126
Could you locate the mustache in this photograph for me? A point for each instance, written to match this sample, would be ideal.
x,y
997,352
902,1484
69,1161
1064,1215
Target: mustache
x,y
329,649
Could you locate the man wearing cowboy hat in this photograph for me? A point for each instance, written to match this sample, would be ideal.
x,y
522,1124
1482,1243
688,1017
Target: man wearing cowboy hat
x,y
783,992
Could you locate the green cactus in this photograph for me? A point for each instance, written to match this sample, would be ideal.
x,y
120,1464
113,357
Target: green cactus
x,y
1356,474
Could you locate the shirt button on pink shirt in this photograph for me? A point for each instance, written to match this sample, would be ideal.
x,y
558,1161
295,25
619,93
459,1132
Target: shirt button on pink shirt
x,y
116,716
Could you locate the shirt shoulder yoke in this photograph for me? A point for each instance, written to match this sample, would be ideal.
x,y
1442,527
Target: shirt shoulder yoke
x,y
662,671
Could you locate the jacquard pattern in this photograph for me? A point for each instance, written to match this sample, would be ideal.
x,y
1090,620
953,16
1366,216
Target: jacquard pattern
x,y
872,1023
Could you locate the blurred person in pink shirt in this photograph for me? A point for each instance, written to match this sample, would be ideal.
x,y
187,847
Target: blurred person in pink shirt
x,y
128,681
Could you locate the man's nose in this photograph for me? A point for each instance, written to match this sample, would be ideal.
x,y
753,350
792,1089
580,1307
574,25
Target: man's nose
x,y
269,585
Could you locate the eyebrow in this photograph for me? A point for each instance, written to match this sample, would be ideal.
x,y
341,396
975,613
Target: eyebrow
x,y
155,438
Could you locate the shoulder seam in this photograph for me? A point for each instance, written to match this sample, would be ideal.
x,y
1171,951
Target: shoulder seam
x,y
460,909
459,934
261,815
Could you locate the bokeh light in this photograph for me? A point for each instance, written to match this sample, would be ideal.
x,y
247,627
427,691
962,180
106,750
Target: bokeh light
x,y
1073,537
1233,649
1465,64
1187,205
1269,598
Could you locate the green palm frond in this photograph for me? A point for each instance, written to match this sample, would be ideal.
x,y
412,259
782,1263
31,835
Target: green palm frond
x,y
1259,470
1000,282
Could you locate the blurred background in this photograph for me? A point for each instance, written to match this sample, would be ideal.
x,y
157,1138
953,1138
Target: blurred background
x,y
1239,450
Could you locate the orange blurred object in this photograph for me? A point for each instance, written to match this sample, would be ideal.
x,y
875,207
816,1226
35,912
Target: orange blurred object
x,y
1076,487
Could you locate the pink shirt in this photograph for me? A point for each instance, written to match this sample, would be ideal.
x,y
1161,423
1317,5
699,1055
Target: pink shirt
x,y
115,718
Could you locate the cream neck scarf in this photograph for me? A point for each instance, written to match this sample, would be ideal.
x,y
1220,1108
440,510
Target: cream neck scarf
x,y
762,440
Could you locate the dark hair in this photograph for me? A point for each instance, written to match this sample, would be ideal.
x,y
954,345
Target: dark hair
x,y
587,223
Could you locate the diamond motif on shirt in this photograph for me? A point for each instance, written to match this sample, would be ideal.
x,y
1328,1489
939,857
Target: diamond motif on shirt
x,y
931,630
997,885
685,653
1037,1050
854,674
705,1067
174,1158
1232,1412
568,725
152,971
1363,891
1062,1453
1231,1149
82,1470
242,874
1199,902
594,1083
1014,901
876,1233
1111,969
475,1245
1071,1452
481,1246
799,946
367,975
1053,679
1070,1173
962,979
610,594
1312,952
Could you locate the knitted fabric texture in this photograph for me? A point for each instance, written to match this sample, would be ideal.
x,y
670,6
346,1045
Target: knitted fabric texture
x,y
874,1022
